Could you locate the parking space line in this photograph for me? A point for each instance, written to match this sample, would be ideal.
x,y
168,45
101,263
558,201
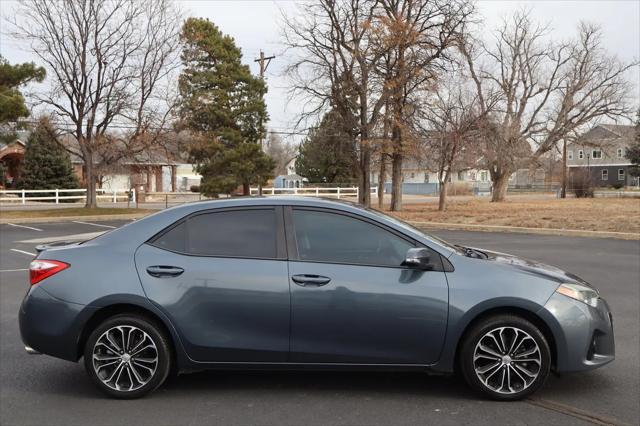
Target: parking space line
x,y
94,224
13,270
23,226
23,252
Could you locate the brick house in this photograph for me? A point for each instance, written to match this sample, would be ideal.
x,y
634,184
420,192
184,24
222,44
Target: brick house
x,y
601,152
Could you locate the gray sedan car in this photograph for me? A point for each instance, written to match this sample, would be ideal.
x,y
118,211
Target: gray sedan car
x,y
307,284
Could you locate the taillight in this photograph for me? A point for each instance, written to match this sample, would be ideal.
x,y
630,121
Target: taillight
x,y
40,269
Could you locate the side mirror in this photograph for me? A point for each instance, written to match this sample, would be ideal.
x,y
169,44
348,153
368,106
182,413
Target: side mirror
x,y
418,258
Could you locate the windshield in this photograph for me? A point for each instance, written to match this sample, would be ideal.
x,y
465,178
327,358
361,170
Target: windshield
x,y
402,224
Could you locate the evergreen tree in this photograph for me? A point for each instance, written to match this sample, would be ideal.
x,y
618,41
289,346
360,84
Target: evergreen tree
x,y
12,105
46,163
328,154
222,103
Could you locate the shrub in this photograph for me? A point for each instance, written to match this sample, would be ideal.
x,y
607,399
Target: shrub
x,y
194,188
581,184
618,185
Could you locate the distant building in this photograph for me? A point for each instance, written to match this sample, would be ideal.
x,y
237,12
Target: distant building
x,y
12,157
601,152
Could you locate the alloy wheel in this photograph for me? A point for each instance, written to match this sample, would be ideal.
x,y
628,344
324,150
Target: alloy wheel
x,y
507,360
125,358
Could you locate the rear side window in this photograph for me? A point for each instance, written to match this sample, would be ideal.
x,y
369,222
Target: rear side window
x,y
237,233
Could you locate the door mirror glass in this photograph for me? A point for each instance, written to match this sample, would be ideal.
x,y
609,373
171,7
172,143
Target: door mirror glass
x,y
418,258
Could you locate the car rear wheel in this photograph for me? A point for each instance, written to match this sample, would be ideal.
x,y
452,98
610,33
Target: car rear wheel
x,y
127,356
505,357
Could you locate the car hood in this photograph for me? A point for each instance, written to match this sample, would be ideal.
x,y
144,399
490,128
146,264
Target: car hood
x,y
533,267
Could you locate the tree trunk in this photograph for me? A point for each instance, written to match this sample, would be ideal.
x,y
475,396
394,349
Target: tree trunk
x,y
500,185
246,189
381,179
90,183
444,185
396,182
364,192
563,191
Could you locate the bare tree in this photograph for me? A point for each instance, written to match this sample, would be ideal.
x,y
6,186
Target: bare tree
x,y
108,60
281,152
334,58
548,90
419,36
448,126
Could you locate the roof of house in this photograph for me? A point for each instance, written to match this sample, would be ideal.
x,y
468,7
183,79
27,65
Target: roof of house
x,y
604,134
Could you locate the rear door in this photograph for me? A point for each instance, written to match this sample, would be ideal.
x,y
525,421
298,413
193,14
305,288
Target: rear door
x,y
352,301
221,277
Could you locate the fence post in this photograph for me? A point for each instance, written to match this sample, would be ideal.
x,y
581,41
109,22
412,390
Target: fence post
x,y
295,191
23,197
338,193
57,198
115,197
133,195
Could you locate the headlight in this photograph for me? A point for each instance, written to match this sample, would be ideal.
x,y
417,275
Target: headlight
x,y
579,292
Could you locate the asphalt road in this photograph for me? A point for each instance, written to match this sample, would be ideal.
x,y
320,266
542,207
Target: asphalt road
x,y
42,390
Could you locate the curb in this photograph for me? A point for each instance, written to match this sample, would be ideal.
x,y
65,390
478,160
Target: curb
x,y
93,218
525,230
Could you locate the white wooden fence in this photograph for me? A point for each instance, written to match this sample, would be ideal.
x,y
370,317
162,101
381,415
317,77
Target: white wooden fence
x,y
315,191
57,195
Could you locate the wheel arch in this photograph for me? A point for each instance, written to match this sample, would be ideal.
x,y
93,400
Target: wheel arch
x,y
519,311
113,309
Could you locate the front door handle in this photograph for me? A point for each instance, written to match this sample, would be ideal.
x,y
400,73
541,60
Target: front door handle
x,y
163,271
309,280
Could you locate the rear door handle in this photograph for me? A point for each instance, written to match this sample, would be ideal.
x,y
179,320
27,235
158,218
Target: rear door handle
x,y
309,280
163,271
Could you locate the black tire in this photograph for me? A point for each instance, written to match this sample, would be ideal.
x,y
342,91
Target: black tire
x,y
155,373
495,387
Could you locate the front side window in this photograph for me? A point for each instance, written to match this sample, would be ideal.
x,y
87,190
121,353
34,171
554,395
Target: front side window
x,y
233,233
605,174
596,154
336,238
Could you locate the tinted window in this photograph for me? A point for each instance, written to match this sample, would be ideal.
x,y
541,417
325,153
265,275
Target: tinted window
x,y
238,233
329,237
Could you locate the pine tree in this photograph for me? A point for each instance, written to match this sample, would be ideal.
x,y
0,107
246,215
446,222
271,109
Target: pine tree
x,y
46,163
222,103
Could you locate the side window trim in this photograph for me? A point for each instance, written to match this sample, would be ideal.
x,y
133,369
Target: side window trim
x,y
281,251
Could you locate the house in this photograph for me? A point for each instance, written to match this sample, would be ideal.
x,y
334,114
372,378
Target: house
x,y
601,152
11,159
291,179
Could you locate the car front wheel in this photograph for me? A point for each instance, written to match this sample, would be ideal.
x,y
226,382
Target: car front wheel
x,y
505,357
127,356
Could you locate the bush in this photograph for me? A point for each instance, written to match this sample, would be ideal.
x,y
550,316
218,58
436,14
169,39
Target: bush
x,y
194,188
459,188
581,184
618,185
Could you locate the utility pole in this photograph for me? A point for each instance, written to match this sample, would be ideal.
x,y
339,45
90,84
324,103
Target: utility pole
x,y
264,62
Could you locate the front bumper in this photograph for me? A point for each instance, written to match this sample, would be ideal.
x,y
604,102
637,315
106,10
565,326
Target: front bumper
x,y
51,326
583,334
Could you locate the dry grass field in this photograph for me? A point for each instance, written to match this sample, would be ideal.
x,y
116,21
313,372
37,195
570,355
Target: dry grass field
x,y
596,214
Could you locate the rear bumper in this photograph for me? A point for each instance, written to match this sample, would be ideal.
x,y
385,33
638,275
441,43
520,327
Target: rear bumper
x,y
583,334
51,326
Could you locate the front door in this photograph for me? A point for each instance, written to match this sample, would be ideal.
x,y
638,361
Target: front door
x,y
353,302
221,277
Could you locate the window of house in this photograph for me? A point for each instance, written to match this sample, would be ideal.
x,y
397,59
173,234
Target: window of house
x,y
336,238
413,175
596,154
483,176
620,174
237,233
605,174
461,175
472,176
570,155
580,154
620,152
426,177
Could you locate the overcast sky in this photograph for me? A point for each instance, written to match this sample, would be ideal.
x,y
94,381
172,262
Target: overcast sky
x,y
255,25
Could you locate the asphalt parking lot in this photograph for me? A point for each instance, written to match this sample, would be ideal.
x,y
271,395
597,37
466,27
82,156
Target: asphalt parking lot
x,y
41,390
